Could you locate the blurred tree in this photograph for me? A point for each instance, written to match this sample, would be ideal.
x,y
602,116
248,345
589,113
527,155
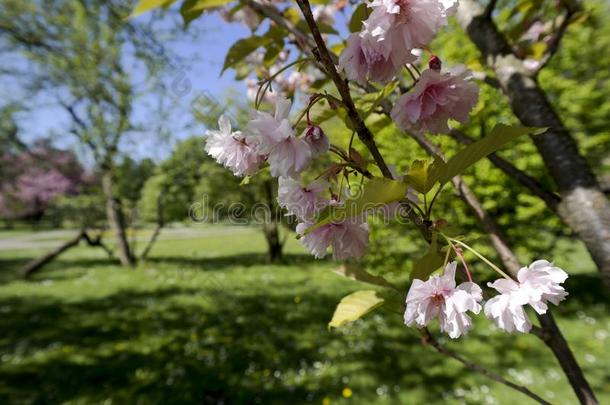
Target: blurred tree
x,y
82,52
37,176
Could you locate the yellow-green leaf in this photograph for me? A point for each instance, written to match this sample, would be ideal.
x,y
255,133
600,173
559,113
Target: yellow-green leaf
x,y
374,194
357,273
419,176
354,306
144,6
242,48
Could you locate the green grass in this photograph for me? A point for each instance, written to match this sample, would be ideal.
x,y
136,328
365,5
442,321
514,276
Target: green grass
x,y
205,320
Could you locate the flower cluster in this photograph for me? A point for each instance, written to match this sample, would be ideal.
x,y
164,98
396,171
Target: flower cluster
x,y
268,138
389,35
439,297
390,38
271,138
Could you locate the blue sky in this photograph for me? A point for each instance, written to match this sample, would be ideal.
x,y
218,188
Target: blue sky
x,y
204,56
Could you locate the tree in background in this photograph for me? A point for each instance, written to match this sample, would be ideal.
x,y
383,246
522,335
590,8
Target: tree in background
x,y
38,175
82,52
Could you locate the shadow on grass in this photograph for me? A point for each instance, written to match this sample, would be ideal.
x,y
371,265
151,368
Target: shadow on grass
x,y
201,344
224,262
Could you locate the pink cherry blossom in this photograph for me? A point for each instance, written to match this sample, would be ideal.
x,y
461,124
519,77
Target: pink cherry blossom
x,y
274,136
506,310
405,24
347,238
439,297
302,202
436,98
362,62
232,149
317,140
538,284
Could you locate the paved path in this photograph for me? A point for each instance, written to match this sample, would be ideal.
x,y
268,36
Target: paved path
x,y
50,239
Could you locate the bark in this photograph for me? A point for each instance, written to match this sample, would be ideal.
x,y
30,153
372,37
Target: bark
x,y
274,243
39,263
583,206
116,221
550,334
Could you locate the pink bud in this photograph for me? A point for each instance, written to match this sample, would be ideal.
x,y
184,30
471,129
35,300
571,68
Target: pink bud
x,y
317,139
435,63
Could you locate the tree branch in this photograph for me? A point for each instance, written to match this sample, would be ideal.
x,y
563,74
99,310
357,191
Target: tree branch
x,y
557,37
550,199
428,338
324,56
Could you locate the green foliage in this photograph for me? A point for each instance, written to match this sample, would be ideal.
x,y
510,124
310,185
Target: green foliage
x,y
359,14
429,263
129,178
357,273
497,138
354,306
144,6
375,193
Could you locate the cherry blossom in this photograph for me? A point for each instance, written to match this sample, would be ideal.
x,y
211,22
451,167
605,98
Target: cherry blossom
x,y
439,297
362,62
402,25
274,136
537,284
436,98
347,238
302,202
232,149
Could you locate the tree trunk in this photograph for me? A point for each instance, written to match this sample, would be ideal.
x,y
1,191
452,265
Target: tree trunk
x,y
583,207
274,244
116,221
38,264
271,228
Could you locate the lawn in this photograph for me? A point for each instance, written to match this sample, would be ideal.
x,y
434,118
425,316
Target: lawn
x,y
205,320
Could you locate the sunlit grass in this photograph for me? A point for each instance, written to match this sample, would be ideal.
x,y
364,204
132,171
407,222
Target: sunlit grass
x,y
205,320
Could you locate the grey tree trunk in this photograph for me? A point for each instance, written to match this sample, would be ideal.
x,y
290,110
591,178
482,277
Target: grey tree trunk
x,y
116,221
583,206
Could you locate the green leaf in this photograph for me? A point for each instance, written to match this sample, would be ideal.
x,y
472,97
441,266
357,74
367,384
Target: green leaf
x,y
420,177
144,6
499,136
374,194
357,273
192,9
360,14
354,306
242,48
427,264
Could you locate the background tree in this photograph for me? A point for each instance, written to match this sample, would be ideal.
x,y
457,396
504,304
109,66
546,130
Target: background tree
x,y
82,51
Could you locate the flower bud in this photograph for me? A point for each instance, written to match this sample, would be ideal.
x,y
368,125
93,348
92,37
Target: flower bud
x,y
435,63
317,139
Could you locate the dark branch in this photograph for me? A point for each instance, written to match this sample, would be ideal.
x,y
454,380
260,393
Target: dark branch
x,y
429,339
550,199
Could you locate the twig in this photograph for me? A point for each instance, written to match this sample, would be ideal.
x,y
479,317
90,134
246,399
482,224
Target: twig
x,y
428,338
556,40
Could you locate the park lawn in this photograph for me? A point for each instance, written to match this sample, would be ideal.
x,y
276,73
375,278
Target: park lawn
x,y
206,320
